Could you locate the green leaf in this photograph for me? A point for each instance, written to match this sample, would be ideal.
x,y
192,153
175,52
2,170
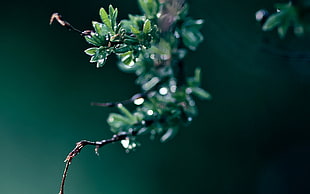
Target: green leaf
x,y
91,51
273,21
131,118
184,11
282,29
201,93
113,18
149,7
117,122
150,83
101,29
191,38
100,57
122,49
147,26
101,62
286,16
128,59
105,19
126,54
143,6
111,9
170,133
193,24
299,29
91,40
281,6
127,68
134,30
197,76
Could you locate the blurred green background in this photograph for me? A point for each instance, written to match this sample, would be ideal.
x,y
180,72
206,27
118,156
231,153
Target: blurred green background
x,y
253,137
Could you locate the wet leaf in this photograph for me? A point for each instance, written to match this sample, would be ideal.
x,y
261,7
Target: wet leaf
x,y
91,51
191,38
147,26
105,19
117,122
149,7
273,21
100,29
131,118
201,93
134,30
92,41
170,133
113,18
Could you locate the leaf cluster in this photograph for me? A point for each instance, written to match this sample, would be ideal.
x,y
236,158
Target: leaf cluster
x,y
111,37
288,15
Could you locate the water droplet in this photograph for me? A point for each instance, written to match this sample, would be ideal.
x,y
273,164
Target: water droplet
x,y
188,90
125,143
163,91
134,145
176,34
260,14
150,112
173,88
110,119
138,101
192,103
164,57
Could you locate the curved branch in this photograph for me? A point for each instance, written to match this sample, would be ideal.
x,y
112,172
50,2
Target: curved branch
x,y
98,144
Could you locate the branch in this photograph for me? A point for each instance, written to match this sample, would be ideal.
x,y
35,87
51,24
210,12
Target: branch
x,y
58,18
127,101
98,144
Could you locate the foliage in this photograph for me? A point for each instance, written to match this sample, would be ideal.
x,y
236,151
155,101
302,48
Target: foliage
x,y
292,14
152,46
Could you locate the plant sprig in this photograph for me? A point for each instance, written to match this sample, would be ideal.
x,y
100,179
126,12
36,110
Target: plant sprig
x,y
153,46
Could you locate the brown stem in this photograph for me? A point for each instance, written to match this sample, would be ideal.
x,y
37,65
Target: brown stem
x,y
58,18
80,145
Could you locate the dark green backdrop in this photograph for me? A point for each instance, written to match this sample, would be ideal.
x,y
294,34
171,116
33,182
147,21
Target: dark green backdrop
x,y
253,137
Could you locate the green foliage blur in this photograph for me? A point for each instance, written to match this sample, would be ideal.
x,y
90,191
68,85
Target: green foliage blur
x,y
253,137
294,14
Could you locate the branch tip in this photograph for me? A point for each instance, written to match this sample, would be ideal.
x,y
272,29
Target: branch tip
x,y
58,18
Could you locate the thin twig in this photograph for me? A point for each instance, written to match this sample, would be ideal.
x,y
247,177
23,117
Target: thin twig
x,y
81,144
58,18
114,104
64,178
